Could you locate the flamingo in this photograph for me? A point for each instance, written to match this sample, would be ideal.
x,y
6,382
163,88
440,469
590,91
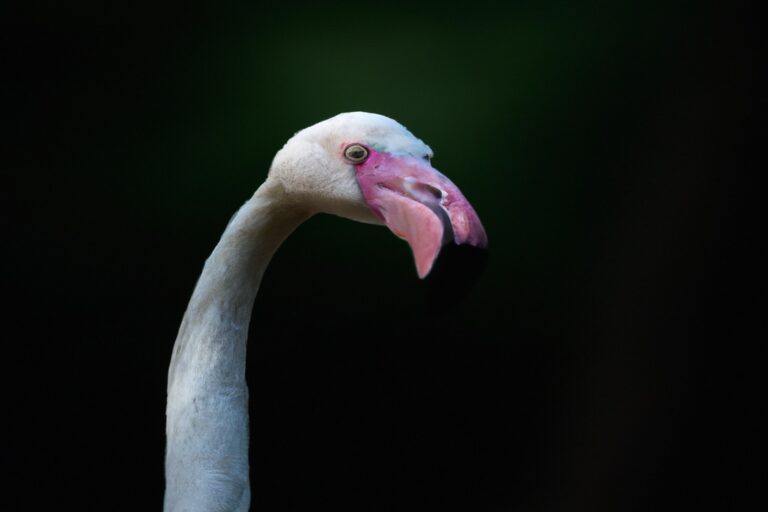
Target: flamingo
x,y
362,166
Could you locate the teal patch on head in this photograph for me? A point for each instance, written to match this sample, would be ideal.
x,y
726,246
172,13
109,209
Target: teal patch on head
x,y
379,147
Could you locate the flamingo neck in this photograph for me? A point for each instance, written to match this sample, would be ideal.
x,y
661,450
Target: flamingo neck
x,y
207,410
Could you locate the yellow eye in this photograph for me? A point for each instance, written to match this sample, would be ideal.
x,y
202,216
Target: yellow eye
x,y
356,153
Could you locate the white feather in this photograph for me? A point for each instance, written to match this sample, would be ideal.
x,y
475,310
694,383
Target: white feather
x,y
207,412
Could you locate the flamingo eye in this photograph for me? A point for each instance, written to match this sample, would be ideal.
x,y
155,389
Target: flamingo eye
x,y
356,153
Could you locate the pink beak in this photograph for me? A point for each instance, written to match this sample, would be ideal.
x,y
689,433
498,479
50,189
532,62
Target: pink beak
x,y
418,204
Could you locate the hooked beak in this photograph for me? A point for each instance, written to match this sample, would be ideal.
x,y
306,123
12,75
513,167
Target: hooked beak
x,y
418,204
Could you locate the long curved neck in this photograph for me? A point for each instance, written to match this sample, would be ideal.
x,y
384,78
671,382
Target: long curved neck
x,y
207,410
211,340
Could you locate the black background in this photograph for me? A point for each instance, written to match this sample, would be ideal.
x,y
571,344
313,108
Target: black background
x,y
599,362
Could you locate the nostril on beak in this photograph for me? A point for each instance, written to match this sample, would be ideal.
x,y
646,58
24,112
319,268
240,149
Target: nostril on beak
x,y
422,191
436,192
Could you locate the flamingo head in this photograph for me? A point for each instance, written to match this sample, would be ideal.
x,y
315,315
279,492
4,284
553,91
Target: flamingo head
x,y
370,168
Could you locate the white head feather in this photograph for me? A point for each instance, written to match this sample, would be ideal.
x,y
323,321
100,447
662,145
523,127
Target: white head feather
x,y
311,167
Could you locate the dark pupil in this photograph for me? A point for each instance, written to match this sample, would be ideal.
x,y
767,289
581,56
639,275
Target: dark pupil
x,y
356,153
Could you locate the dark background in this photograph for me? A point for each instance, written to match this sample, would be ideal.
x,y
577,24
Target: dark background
x,y
597,363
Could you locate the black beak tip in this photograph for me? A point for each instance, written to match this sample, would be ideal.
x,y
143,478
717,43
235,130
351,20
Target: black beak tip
x,y
454,274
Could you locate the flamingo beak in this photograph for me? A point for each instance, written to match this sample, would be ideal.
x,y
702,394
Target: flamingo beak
x,y
419,204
